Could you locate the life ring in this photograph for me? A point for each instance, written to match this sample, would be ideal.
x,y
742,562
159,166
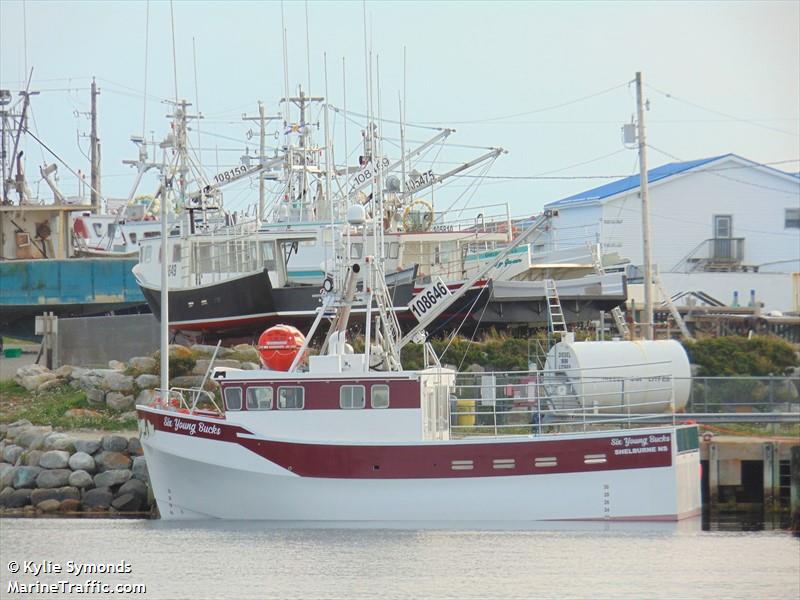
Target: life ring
x,y
410,222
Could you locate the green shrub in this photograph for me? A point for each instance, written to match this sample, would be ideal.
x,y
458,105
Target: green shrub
x,y
736,355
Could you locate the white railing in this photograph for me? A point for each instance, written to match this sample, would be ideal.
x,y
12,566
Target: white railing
x,y
546,402
187,399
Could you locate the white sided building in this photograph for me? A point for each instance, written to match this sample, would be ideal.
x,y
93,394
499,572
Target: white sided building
x,y
725,226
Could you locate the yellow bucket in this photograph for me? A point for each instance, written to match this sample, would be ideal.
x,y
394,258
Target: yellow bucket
x,y
466,406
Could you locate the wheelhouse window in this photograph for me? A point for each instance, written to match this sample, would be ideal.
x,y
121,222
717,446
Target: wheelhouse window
x,y
147,253
351,396
356,250
176,253
132,237
291,398
233,398
792,218
379,396
259,398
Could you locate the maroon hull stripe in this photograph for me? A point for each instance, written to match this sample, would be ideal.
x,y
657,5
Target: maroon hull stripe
x,y
427,460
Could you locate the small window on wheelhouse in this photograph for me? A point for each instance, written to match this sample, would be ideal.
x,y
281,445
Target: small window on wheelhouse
x,y
176,253
259,398
147,254
379,396
233,398
290,398
351,396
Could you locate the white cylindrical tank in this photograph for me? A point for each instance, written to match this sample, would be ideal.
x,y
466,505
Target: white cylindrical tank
x,y
619,376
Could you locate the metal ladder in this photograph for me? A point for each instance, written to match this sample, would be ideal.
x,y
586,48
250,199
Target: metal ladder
x,y
672,309
555,316
616,312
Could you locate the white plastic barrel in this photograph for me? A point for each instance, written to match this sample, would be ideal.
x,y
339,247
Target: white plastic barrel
x,y
619,376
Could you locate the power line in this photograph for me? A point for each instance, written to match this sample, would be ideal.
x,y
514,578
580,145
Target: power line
x,y
719,112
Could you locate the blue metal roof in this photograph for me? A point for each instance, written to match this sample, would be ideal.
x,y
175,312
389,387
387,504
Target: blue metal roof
x,y
629,183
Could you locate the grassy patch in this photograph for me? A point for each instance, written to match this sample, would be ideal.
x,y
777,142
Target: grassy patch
x,y
49,407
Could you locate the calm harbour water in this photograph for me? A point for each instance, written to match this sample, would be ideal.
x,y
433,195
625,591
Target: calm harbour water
x,y
233,560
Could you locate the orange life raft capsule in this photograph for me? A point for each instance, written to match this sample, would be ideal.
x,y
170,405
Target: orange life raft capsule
x,y
278,346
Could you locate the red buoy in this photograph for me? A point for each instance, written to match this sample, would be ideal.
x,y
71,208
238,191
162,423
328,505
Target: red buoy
x,y
278,346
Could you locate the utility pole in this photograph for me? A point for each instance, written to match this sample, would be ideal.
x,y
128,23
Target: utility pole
x,y
95,153
262,148
646,249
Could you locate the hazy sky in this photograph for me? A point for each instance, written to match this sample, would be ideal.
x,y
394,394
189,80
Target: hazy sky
x,y
722,77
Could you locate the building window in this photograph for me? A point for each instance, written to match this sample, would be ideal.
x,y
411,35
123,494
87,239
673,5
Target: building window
x,y
351,396
259,398
379,396
290,398
792,218
233,398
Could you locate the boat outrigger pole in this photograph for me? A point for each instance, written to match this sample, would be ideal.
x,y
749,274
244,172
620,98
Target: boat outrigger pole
x,y
438,309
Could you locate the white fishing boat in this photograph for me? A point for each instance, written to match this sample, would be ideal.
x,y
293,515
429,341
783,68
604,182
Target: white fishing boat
x,y
353,436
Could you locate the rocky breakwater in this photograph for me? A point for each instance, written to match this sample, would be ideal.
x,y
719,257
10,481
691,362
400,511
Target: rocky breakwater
x,y
46,472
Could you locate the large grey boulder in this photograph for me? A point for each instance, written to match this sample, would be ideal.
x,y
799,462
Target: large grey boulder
x,y
134,486
95,396
17,427
5,493
146,381
25,477
127,503
118,382
32,376
45,494
33,437
12,453
146,397
4,468
69,492
31,458
143,364
59,441
7,473
117,365
19,498
120,402
140,469
112,478
135,447
69,372
81,479
107,461
97,498
81,461
114,443
54,459
48,506
53,478
87,446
